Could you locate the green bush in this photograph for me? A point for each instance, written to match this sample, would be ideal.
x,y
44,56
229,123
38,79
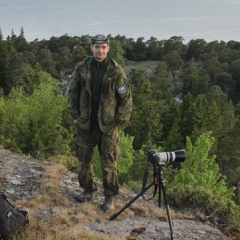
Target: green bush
x,y
37,123
200,168
190,196
199,184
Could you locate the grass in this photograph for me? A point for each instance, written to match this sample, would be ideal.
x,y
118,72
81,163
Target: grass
x,y
141,65
54,217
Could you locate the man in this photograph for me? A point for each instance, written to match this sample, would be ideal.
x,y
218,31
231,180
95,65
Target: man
x,y
100,100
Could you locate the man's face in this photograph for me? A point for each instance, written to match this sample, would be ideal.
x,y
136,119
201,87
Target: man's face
x,y
100,51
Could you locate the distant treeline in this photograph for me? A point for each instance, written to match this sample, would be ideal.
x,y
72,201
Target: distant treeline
x,y
59,55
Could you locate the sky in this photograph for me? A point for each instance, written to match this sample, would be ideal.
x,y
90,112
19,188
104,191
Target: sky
x,y
191,19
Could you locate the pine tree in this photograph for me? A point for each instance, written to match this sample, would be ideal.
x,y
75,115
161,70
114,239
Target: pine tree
x,y
7,51
201,170
116,52
18,73
187,121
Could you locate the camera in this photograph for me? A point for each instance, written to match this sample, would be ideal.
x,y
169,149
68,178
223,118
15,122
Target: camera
x,y
160,158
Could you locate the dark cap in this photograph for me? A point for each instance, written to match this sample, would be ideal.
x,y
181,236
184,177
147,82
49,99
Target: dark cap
x,y
100,38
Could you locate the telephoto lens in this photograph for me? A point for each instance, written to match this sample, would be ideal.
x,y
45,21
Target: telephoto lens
x,y
160,158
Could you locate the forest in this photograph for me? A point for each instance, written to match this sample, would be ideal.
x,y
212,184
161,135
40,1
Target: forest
x,y
190,101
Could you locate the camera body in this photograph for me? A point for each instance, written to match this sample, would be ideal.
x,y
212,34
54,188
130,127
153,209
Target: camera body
x,y
160,158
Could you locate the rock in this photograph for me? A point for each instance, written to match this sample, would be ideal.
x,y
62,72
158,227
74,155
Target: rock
x,y
21,178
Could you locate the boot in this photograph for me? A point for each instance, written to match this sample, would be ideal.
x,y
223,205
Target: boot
x,y
108,203
85,196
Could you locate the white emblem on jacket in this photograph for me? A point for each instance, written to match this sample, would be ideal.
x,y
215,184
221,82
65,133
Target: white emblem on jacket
x,y
122,90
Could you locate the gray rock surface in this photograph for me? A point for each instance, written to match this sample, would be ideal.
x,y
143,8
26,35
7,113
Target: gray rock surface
x,y
20,178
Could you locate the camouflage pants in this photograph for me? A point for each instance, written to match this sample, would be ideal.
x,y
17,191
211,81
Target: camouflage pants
x,y
108,147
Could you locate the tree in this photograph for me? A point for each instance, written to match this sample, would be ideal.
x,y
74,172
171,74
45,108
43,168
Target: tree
x,y
18,73
195,49
1,35
174,43
126,44
84,41
3,126
220,118
225,81
199,116
199,182
155,49
47,62
116,52
171,119
20,42
200,170
187,112
7,51
64,59
161,85
39,77
130,50
174,62
235,71
64,41
145,122
140,50
30,58
191,79
212,65
174,139
52,44
40,126
228,155
78,54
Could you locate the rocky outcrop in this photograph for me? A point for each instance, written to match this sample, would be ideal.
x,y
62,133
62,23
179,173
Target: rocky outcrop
x,y
21,178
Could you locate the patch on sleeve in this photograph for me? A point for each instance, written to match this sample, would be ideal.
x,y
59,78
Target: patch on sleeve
x,y
122,90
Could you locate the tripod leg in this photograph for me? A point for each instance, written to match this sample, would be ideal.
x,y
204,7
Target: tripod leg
x,y
159,195
167,207
130,202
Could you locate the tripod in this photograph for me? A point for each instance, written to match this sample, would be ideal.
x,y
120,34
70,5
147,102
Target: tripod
x,y
160,182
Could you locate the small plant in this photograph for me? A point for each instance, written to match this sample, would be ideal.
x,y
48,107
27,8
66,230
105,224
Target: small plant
x,y
70,162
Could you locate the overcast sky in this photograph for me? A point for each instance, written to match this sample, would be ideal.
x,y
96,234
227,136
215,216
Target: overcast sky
x,y
191,19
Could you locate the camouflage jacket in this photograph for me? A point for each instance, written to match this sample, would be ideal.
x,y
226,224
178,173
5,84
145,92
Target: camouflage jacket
x,y
115,105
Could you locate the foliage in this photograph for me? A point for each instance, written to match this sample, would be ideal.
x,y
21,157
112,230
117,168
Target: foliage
x,y
200,197
199,182
145,121
2,120
174,62
201,170
193,196
127,151
228,156
203,77
141,162
38,127
117,52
